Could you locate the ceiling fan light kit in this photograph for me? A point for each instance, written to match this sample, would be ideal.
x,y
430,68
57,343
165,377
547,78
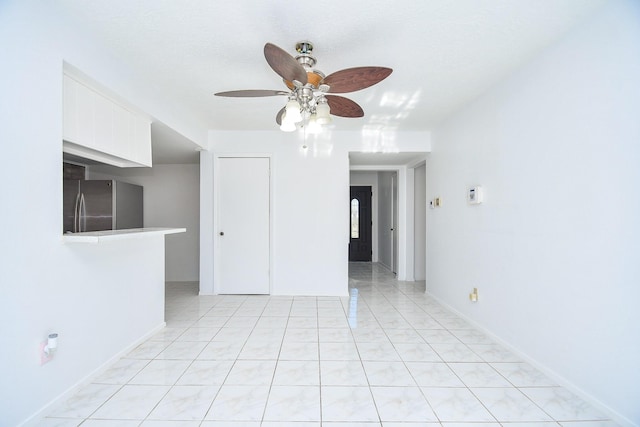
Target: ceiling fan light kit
x,y
309,101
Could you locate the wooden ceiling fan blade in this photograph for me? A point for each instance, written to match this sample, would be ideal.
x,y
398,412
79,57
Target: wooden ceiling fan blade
x,y
251,93
344,107
284,64
352,79
279,116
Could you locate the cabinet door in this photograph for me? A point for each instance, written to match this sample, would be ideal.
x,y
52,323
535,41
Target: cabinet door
x,y
78,113
104,141
70,110
85,100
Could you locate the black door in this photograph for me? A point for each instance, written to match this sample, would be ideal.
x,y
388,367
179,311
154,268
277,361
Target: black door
x,y
360,224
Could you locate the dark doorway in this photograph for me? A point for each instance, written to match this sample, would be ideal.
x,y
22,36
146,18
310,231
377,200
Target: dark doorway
x,y
360,224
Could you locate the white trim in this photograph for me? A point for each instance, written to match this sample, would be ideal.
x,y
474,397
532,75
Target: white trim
x,y
405,222
374,216
216,259
417,162
206,223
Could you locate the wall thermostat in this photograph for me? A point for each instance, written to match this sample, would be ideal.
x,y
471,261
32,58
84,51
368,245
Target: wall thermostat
x,y
474,195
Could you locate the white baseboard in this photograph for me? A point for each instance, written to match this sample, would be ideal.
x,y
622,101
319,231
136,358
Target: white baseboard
x,y
559,379
34,420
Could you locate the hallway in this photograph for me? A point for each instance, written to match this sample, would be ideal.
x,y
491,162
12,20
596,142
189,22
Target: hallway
x,y
388,355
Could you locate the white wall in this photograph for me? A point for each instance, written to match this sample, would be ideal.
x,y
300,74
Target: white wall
x,y
46,285
171,199
310,236
554,248
369,179
385,219
420,222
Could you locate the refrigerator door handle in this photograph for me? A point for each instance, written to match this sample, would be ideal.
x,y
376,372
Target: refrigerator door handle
x,y
76,214
82,222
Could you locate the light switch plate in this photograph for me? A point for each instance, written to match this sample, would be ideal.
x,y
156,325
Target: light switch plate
x,y
474,195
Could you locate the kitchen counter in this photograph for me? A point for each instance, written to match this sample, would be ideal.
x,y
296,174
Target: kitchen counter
x,y
110,235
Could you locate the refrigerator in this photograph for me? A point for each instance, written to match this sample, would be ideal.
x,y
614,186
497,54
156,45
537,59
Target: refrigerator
x,y
95,205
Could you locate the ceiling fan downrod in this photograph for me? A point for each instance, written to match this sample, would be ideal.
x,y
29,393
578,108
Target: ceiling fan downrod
x,y
304,48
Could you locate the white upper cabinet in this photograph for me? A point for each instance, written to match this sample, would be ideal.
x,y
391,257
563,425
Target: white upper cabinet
x,y
97,128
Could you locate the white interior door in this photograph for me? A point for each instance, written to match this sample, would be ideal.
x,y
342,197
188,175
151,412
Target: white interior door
x,y
243,225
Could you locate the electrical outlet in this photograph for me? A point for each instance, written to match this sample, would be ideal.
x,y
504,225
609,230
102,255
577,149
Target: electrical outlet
x,y
44,357
47,348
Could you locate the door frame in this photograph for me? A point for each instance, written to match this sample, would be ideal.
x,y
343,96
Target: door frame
x,y
405,214
394,223
374,211
371,223
216,192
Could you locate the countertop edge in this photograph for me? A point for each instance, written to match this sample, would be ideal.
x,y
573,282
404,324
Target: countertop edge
x,y
111,235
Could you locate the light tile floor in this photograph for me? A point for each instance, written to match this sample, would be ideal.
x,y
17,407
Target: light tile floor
x,y
386,356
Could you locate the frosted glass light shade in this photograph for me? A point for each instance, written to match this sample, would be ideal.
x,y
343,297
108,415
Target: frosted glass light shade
x,y
287,125
313,126
322,111
292,110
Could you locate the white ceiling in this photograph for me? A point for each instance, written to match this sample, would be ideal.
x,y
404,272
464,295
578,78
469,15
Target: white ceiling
x,y
444,53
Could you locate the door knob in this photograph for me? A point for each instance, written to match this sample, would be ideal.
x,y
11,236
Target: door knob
x,y
222,233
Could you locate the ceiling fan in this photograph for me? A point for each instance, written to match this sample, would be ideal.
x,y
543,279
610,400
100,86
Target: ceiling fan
x,y
310,100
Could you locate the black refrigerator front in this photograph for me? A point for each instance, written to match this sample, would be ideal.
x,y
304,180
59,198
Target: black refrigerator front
x,y
96,205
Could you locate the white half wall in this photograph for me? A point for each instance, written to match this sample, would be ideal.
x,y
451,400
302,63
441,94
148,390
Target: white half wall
x,y
554,248
310,190
101,298
171,199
